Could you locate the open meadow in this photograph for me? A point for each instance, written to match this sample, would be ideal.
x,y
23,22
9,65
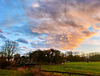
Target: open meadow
x,y
92,68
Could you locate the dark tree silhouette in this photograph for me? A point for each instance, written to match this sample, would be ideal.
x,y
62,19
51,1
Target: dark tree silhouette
x,y
37,56
47,56
9,48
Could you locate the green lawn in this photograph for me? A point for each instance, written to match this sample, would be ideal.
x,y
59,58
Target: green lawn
x,y
76,67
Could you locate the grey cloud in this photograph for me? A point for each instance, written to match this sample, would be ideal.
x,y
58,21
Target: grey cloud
x,y
2,36
22,40
41,44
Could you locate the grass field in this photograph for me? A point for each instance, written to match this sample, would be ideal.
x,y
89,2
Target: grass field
x,y
25,72
15,73
92,68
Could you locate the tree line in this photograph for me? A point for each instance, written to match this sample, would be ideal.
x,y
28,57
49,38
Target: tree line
x,y
50,56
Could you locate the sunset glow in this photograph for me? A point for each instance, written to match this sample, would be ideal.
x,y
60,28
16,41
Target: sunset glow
x,y
58,24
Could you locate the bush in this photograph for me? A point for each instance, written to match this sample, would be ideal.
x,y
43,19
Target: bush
x,y
8,65
14,64
4,64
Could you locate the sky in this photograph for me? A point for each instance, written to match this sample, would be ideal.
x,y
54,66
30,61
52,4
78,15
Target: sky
x,y
42,24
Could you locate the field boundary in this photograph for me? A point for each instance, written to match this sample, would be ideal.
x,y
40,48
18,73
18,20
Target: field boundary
x,y
68,73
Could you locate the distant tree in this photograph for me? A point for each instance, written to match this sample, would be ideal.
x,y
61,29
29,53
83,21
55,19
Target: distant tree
x,y
17,57
94,56
74,57
54,56
37,56
69,52
9,48
70,56
47,56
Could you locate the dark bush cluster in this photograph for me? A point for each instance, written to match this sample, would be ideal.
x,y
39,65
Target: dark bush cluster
x,y
4,64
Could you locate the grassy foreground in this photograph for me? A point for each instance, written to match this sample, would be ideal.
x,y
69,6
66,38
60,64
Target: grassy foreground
x,y
92,68
15,73
25,72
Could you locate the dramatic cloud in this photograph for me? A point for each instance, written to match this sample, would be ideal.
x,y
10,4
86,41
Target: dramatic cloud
x,y
66,22
22,40
59,24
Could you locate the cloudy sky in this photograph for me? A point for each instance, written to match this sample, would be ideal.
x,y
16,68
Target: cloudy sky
x,y
59,24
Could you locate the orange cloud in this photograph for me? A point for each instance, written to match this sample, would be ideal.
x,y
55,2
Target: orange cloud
x,y
68,25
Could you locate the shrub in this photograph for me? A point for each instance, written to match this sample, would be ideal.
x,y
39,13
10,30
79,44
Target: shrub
x,y
4,64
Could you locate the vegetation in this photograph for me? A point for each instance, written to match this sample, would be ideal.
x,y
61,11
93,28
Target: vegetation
x,y
47,57
26,72
50,60
75,58
94,56
8,49
92,68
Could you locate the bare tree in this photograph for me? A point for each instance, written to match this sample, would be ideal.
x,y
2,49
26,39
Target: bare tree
x,y
9,48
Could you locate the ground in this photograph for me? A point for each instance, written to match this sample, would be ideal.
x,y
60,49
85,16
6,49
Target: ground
x,y
92,68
